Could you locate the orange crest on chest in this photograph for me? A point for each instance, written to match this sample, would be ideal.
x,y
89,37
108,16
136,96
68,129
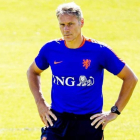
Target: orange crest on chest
x,y
86,63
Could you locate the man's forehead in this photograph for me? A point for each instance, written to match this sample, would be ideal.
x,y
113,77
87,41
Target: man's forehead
x,y
67,18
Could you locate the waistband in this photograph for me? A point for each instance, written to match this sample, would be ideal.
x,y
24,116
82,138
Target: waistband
x,y
72,116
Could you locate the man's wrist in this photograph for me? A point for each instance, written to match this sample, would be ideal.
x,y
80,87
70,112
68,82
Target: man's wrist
x,y
40,100
114,109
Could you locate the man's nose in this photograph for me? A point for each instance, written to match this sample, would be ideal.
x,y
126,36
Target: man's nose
x,y
66,28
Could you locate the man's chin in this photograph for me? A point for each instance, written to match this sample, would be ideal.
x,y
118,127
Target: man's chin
x,y
68,39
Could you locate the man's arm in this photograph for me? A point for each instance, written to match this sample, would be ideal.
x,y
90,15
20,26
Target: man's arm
x,y
129,83
33,75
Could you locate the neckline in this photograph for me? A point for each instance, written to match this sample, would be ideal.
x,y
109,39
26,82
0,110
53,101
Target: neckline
x,y
83,42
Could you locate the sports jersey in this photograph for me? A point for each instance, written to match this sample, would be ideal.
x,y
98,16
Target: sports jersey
x,y
77,74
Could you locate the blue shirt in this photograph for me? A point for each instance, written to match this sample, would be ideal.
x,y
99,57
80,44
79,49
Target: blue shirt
x,y
77,74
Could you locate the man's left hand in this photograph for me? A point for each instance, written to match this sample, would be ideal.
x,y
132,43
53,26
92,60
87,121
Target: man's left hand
x,y
103,118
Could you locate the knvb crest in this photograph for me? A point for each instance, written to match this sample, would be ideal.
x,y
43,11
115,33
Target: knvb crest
x,y
86,63
70,81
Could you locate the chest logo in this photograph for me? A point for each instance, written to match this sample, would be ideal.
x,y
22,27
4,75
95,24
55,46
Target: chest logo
x,y
86,63
83,81
57,62
73,81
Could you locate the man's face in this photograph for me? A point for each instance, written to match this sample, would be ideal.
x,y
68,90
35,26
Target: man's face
x,y
70,26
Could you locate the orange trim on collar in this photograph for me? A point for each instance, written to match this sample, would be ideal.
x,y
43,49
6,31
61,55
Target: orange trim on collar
x,y
83,42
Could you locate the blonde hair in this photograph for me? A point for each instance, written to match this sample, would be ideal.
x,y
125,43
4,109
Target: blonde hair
x,y
70,9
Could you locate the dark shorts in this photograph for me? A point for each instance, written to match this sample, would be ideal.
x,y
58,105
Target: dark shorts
x,y
72,127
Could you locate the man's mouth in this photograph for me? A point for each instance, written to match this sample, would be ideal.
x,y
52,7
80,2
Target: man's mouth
x,y
67,35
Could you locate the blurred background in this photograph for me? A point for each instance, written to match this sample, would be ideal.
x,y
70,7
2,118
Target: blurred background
x,y
25,26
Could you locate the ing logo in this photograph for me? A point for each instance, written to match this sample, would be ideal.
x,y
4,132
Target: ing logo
x,y
71,81
83,81
86,63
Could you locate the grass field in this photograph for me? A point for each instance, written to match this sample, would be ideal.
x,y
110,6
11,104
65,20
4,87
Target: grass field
x,y
26,25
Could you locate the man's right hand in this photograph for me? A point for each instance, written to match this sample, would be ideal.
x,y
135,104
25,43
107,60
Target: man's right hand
x,y
33,75
45,113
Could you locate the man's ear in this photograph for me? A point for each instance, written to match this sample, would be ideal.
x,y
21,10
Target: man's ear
x,y
82,22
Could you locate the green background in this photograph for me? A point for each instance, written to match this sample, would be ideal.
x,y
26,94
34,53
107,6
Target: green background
x,y
27,25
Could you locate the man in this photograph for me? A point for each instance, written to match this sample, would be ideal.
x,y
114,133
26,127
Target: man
x,y
77,65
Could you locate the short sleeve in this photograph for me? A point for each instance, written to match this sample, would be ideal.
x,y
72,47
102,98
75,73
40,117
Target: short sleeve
x,y
41,59
110,61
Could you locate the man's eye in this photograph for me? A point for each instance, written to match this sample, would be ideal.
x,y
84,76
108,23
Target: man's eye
x,y
70,23
61,24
